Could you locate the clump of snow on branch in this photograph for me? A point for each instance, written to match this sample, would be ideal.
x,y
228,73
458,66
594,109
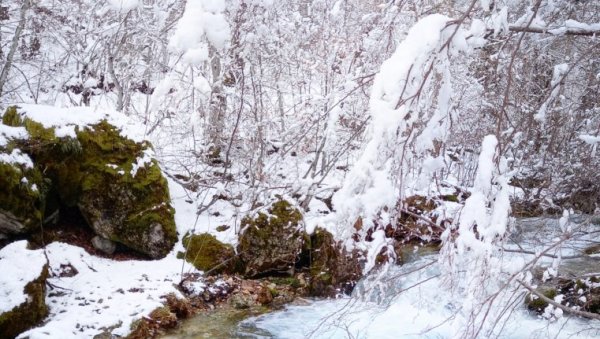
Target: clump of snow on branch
x,y
123,5
403,95
202,20
560,71
475,241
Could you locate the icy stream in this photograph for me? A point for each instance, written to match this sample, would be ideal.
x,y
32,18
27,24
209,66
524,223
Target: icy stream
x,y
407,302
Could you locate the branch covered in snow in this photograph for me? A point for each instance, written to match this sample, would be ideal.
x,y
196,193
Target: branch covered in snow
x,y
592,31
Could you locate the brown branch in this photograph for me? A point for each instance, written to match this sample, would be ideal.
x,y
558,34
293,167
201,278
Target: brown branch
x,y
555,31
544,255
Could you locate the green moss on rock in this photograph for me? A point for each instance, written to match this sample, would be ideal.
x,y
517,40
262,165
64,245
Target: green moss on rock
x,y
28,314
536,304
21,199
332,269
118,187
11,117
271,243
208,254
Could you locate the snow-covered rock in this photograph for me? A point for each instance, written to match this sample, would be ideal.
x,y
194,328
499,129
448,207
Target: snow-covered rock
x,y
89,162
23,275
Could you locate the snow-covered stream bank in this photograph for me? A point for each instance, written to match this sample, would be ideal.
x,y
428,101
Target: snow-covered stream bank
x,y
408,302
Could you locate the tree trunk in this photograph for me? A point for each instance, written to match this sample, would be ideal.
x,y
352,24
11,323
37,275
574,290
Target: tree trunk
x,y
14,45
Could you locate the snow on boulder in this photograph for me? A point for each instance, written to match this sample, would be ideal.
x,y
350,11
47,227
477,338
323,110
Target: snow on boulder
x,y
94,162
23,276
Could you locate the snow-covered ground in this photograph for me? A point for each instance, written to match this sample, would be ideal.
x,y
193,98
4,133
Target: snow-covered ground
x,y
107,293
19,266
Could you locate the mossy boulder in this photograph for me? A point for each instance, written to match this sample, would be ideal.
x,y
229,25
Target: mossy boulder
x,y
114,181
26,264
123,200
21,196
208,254
271,242
332,268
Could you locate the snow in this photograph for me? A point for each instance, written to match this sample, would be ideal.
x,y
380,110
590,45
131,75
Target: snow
x,y
589,139
123,5
16,157
103,293
189,31
370,185
485,169
90,82
202,19
8,132
574,24
19,266
560,71
65,119
197,55
217,29
485,5
142,162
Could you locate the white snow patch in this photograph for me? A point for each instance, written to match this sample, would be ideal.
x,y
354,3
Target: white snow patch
x,y
123,5
8,132
19,266
142,162
16,157
66,119
104,292
589,139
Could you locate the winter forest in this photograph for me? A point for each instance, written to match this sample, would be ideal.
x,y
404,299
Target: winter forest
x,y
299,169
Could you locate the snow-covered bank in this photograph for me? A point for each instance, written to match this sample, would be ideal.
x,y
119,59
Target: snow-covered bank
x,y
19,267
104,293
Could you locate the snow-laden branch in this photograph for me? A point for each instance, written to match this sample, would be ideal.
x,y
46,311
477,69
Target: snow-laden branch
x,y
408,113
571,27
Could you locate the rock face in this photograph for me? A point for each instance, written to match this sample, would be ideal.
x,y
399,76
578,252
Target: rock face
x,y
114,181
271,243
21,185
331,266
208,254
20,267
104,245
275,244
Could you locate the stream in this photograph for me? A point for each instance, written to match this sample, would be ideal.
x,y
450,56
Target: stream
x,y
377,309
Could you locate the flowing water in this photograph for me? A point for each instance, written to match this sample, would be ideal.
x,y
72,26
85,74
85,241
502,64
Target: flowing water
x,y
406,301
